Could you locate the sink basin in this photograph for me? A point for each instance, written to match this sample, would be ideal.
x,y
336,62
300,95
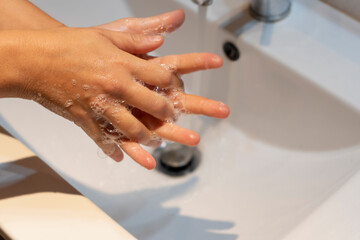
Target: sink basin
x,y
289,148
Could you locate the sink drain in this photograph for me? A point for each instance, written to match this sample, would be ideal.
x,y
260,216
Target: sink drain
x,y
231,51
176,159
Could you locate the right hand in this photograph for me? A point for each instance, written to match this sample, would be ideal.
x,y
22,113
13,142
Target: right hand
x,y
88,75
52,88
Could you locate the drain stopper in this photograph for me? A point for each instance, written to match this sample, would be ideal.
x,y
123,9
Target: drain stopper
x,y
176,159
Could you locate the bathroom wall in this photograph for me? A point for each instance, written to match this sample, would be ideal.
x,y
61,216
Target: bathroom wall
x,y
350,7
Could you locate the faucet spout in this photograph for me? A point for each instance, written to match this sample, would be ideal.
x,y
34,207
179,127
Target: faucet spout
x,y
270,10
203,2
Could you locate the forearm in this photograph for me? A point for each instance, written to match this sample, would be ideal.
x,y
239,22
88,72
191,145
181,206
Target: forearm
x,y
10,71
22,14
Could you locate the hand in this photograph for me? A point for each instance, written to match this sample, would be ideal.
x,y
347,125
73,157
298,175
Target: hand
x,y
191,104
180,64
86,75
163,23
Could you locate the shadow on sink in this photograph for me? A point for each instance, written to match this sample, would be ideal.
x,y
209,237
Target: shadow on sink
x,y
142,213
30,175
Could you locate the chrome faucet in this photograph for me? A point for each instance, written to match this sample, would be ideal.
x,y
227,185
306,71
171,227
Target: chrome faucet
x,y
263,10
203,2
270,10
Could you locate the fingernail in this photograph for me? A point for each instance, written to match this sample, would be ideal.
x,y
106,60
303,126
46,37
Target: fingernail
x,y
155,143
217,59
224,109
194,139
151,163
155,38
118,156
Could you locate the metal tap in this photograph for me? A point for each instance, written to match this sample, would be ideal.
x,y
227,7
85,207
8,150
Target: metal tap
x,y
203,2
270,10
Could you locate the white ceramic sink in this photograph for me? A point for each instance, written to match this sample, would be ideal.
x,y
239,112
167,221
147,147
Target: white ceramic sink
x,y
283,166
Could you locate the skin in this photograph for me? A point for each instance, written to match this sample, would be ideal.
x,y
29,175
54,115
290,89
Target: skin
x,y
104,59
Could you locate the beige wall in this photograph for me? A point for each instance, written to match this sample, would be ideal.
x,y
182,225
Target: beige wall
x,y
350,7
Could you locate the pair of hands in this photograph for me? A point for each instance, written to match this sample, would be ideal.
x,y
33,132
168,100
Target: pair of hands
x,y
96,78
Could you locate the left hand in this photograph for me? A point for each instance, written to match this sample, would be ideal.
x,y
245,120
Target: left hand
x,y
191,104
180,64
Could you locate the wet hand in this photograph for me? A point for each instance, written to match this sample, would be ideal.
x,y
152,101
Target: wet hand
x,y
187,103
104,130
88,75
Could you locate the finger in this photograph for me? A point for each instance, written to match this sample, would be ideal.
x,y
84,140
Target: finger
x,y
112,150
176,82
175,133
163,23
153,74
136,152
168,131
204,106
148,72
133,43
124,122
92,129
191,62
118,155
146,100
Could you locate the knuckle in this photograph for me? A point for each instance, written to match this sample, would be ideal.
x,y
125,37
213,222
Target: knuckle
x,y
113,85
126,22
137,133
135,38
120,88
98,140
167,79
178,83
91,33
81,115
161,108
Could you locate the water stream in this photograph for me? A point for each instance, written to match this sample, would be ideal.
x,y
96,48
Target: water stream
x,y
201,47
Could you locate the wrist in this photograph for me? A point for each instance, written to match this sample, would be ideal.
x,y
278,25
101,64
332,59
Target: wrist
x,y
14,77
22,14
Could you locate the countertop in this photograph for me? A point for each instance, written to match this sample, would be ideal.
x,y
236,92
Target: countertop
x,y
36,203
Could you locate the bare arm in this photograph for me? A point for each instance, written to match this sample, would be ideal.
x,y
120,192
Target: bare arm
x,y
14,82
22,14
9,80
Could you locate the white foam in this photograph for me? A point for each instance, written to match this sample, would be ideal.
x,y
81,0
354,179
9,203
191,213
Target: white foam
x,y
68,103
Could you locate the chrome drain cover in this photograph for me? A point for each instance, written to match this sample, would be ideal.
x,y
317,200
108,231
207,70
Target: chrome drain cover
x,y
176,159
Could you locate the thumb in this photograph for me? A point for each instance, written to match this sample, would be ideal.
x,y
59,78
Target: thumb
x,y
134,43
159,24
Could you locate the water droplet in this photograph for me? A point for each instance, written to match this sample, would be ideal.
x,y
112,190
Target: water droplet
x,y
170,67
68,103
155,137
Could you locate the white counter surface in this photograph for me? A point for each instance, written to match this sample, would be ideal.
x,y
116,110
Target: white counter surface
x,y
36,203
